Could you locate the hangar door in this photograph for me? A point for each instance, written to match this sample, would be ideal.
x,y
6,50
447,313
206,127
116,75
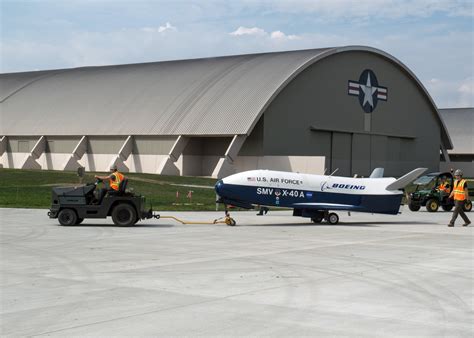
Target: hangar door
x,y
373,151
361,151
353,153
341,155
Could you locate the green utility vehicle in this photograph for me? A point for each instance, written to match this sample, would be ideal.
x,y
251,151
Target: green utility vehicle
x,y
428,194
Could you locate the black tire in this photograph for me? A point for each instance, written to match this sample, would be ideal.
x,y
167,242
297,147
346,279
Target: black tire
x,y
124,215
447,207
317,220
413,207
467,206
333,218
67,217
432,205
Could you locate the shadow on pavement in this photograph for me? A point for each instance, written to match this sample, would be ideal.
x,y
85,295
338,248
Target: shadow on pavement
x,y
345,224
111,225
309,224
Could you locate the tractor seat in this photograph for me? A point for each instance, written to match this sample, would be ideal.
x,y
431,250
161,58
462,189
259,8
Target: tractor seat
x,y
121,190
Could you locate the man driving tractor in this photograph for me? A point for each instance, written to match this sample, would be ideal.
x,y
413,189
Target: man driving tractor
x,y
114,180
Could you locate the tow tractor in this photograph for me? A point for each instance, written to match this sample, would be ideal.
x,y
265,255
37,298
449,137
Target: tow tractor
x,y
428,195
71,205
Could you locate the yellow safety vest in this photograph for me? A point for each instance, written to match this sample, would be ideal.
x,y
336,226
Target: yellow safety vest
x,y
458,190
114,184
444,187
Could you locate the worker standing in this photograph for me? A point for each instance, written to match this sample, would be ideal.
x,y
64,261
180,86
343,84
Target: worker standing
x,y
461,195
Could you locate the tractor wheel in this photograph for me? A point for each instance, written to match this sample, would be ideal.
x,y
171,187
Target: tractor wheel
x,y
67,217
413,207
447,207
317,219
432,205
333,218
124,215
467,206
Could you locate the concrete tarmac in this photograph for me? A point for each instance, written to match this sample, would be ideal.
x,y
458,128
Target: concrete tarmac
x,y
276,275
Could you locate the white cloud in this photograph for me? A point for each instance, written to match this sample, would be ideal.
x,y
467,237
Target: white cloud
x,y
282,36
160,29
259,32
248,31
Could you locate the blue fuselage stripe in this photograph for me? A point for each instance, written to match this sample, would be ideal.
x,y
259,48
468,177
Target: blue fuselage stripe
x,y
289,198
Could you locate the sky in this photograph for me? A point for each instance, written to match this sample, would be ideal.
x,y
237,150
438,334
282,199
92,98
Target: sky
x,y
434,38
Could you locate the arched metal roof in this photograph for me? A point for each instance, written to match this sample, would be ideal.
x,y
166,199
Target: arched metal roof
x,y
211,96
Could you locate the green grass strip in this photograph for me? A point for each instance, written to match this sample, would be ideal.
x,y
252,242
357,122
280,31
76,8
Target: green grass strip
x,y
32,189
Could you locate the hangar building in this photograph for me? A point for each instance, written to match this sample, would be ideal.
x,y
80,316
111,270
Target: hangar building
x,y
460,124
349,108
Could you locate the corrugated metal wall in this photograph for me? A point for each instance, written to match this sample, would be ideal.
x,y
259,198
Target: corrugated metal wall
x,y
153,145
21,144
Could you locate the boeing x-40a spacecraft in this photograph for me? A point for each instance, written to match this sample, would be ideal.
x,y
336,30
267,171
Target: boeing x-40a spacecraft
x,y
314,196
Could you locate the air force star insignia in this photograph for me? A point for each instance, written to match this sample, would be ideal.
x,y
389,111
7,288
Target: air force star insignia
x,y
368,90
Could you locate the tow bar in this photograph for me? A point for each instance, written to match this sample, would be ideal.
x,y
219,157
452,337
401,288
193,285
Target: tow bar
x,y
223,220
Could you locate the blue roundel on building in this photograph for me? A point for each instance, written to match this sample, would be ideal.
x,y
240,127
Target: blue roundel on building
x,y
368,90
